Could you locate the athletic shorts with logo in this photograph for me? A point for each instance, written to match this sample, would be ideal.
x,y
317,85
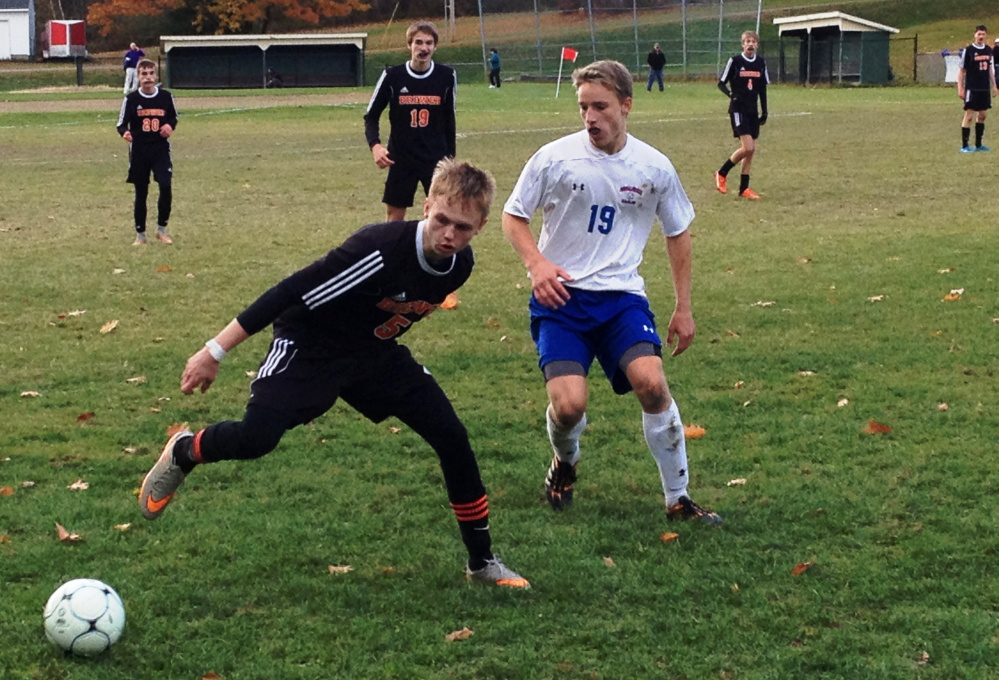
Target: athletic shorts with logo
x,y
745,123
977,100
594,324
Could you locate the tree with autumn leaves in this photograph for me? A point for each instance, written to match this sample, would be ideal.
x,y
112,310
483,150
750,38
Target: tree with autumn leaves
x,y
220,16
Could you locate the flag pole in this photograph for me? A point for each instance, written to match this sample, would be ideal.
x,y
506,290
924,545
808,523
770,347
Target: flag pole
x,y
558,82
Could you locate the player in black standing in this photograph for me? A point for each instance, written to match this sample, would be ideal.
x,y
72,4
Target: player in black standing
x,y
336,328
746,74
420,95
148,118
976,85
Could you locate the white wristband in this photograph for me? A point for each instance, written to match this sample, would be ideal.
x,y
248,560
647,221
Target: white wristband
x,y
215,349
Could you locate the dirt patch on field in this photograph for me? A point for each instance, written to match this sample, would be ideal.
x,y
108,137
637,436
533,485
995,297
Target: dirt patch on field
x,y
262,101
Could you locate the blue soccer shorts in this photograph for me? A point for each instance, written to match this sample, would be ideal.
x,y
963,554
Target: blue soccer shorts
x,y
600,324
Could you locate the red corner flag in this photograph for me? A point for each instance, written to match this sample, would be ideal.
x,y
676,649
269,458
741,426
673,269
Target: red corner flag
x,y
569,54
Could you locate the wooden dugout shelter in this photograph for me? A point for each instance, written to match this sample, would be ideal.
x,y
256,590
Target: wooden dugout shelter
x,y
242,61
833,47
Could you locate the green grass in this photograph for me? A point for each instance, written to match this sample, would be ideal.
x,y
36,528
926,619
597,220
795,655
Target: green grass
x,y
866,185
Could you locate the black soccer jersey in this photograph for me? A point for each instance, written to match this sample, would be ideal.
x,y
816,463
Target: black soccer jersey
x,y
144,114
421,113
977,64
368,291
748,79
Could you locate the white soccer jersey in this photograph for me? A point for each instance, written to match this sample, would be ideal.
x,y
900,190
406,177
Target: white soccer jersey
x,y
598,209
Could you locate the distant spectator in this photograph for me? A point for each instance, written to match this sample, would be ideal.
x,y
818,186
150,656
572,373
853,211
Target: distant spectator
x,y
494,68
129,63
656,61
274,78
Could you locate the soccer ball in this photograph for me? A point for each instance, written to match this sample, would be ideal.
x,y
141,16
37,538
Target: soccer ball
x,y
84,616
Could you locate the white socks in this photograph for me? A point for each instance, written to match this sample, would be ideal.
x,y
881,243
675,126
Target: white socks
x,y
565,443
664,435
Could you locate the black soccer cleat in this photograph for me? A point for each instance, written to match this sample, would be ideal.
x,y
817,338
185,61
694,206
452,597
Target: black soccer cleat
x,y
685,509
558,484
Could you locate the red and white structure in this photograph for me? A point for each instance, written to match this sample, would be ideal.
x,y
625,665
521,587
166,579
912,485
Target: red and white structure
x,y
64,39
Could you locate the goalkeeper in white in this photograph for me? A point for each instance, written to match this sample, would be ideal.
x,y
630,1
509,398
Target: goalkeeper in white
x,y
600,191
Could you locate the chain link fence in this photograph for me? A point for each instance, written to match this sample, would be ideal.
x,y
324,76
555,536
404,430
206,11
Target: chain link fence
x,y
697,36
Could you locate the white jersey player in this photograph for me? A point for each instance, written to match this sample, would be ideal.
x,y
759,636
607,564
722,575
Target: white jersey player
x,y
600,191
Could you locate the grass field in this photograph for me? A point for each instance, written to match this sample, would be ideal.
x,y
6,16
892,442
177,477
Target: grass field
x,y
865,196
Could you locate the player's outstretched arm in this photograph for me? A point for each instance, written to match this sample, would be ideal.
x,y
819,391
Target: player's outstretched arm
x,y
681,324
202,368
546,277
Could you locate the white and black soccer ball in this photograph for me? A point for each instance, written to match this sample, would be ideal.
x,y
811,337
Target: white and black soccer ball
x,y
84,616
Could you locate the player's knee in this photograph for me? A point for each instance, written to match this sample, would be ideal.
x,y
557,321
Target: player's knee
x,y
567,412
652,393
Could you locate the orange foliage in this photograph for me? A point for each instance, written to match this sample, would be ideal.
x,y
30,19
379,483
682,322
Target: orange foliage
x,y
222,16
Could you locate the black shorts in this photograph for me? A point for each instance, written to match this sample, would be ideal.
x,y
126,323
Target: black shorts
x,y
745,123
400,185
303,383
143,160
977,100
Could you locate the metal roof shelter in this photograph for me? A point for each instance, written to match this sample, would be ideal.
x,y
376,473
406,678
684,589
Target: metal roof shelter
x,y
242,61
833,47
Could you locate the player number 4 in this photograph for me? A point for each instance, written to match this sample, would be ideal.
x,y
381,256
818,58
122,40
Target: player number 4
x,y
606,217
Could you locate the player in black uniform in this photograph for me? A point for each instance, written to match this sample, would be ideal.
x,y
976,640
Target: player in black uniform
x,y
747,75
336,327
976,85
420,95
148,118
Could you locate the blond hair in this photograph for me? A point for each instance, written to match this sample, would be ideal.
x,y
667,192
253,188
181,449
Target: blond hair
x,y
612,74
462,181
421,27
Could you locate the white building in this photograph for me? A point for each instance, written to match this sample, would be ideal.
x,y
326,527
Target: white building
x,y
17,29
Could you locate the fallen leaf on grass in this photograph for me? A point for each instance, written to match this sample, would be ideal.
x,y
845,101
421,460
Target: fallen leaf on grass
x,y
608,562
334,569
130,449
109,326
28,394
735,587
876,298
137,380
923,659
174,428
83,417
842,402
995,320
874,427
761,303
66,536
954,295
694,431
395,430
450,302
462,634
251,374
801,567
28,484
118,271
806,372
804,260
122,527
739,481
163,269
491,323
211,675
731,334
738,385
154,409
942,407
7,491
78,485
4,538
948,270
668,537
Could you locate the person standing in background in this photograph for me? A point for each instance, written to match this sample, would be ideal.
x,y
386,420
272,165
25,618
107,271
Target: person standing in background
x,y
494,68
657,61
129,63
